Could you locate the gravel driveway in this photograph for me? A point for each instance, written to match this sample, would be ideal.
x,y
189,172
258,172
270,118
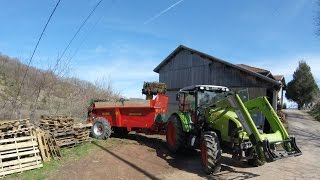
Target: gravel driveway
x,y
144,157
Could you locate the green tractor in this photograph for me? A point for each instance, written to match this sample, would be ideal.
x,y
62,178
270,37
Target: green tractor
x,y
213,119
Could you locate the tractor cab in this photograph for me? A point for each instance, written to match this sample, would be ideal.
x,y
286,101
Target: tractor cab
x,y
193,98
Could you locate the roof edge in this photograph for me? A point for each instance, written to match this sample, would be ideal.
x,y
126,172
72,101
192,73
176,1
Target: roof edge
x,y
181,47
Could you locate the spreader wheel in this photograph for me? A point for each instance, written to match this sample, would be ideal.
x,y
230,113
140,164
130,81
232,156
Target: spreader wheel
x,y
175,136
210,152
101,128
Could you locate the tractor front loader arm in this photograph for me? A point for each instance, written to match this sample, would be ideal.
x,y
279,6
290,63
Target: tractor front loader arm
x,y
265,145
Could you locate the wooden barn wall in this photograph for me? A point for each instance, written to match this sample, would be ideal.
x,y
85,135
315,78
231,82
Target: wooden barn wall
x,y
173,105
187,68
253,92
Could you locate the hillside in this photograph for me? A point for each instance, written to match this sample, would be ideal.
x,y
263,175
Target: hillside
x,y
45,92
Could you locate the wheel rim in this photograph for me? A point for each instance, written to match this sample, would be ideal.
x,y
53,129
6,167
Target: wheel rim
x,y
98,129
204,153
171,134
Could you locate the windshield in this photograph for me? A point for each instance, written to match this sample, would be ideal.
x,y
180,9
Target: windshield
x,y
209,97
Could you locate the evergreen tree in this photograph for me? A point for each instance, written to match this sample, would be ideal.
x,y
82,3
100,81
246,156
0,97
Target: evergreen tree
x,y
302,89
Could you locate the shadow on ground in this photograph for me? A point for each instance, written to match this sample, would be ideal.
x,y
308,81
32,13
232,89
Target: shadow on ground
x,y
149,175
187,161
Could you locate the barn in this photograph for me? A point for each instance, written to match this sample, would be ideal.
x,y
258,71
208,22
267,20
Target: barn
x,y
186,66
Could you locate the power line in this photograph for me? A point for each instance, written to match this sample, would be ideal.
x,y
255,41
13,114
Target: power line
x,y
34,51
86,37
83,23
90,31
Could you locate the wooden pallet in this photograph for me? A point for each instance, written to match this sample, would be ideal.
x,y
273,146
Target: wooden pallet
x,y
82,133
16,133
54,147
66,142
19,154
48,146
60,133
56,129
43,145
56,123
13,125
58,120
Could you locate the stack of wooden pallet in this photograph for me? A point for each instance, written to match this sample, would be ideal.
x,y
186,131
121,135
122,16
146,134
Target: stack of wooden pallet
x,y
82,133
18,147
15,128
63,129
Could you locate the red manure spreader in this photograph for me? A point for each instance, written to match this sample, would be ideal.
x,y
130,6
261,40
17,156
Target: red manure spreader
x,y
123,116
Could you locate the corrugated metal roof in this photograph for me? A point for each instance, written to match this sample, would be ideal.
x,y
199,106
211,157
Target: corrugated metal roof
x,y
254,69
257,70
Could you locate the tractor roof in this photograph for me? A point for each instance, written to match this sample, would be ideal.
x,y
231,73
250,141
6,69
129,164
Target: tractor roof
x,y
206,87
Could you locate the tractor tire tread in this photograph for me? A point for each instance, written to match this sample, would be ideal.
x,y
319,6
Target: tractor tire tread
x,y
214,152
106,130
180,145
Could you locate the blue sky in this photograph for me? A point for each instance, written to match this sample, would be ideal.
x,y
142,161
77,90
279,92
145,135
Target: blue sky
x,y
127,42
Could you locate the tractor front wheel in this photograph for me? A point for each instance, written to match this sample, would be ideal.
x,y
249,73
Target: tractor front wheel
x,y
101,128
255,162
175,136
210,152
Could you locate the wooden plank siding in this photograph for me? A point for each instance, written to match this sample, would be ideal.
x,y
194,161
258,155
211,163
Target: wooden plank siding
x,y
187,68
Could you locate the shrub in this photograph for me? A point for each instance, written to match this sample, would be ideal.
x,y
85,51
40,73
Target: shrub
x,y
315,111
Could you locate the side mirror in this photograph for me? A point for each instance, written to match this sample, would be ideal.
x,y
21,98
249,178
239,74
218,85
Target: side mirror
x,y
177,97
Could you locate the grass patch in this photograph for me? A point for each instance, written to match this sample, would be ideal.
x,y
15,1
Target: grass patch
x,y
68,154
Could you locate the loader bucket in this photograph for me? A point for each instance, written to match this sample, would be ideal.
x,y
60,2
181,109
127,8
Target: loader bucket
x,y
280,149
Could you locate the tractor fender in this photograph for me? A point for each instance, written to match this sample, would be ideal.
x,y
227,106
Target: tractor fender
x,y
185,119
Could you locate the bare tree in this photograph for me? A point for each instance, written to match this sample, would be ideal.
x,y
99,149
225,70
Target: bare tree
x,y
47,91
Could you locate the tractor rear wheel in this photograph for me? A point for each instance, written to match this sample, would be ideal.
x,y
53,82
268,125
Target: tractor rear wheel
x,y
176,138
101,128
210,152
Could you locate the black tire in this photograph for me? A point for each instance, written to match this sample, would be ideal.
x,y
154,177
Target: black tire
x,y
255,162
101,128
120,132
210,152
176,138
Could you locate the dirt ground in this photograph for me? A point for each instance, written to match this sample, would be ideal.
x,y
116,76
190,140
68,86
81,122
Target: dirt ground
x,y
143,157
